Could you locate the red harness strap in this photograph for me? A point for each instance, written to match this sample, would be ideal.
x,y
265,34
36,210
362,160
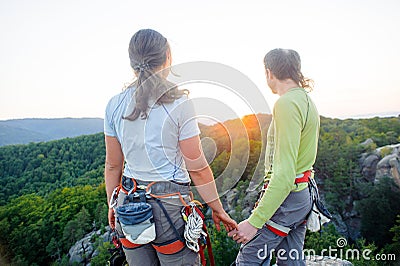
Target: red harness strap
x,y
164,248
169,248
128,244
276,231
209,248
304,179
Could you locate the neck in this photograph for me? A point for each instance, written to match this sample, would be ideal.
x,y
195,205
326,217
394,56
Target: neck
x,y
283,86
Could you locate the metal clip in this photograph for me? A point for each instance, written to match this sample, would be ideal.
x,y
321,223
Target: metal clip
x,y
113,198
142,187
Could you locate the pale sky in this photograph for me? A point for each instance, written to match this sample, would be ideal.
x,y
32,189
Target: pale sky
x,y
67,58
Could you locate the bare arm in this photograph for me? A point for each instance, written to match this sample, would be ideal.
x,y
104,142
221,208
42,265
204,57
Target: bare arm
x,y
203,178
112,171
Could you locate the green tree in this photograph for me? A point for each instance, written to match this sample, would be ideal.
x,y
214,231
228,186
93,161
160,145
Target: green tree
x,y
54,249
224,248
103,254
84,219
383,202
394,247
72,233
100,215
321,240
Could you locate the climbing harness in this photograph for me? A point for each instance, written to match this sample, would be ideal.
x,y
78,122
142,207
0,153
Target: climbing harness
x,y
301,178
278,229
317,216
131,213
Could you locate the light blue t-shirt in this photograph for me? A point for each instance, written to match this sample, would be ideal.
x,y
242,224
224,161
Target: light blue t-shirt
x,y
151,146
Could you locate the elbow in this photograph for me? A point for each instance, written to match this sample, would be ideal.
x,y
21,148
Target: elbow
x,y
112,167
203,175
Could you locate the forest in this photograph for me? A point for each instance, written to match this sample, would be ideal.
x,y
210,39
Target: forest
x,y
52,193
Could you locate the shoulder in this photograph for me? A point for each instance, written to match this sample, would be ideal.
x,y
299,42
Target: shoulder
x,y
117,99
290,106
285,103
182,99
291,99
179,103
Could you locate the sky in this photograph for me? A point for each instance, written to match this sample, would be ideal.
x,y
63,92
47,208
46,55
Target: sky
x,y
68,58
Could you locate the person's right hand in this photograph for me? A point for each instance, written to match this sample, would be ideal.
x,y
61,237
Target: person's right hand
x,y
221,216
111,218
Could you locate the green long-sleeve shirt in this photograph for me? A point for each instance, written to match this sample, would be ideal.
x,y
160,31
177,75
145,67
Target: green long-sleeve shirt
x,y
291,149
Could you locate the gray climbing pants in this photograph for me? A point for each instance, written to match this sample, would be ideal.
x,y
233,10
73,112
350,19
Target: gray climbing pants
x,y
288,249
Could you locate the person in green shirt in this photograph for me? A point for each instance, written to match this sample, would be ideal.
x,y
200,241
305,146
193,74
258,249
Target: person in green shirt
x,y
277,223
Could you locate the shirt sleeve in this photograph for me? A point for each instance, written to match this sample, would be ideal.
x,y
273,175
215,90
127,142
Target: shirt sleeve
x,y
109,129
288,125
188,126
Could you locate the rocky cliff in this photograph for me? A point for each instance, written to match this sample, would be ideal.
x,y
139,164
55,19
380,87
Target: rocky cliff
x,y
375,164
83,250
381,162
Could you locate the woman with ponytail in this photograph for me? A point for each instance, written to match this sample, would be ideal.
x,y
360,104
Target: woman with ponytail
x,y
151,135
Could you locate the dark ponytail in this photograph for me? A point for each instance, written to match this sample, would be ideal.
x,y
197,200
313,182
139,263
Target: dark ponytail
x,y
148,51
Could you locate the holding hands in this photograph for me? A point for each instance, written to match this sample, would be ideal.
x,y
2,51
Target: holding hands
x,y
244,232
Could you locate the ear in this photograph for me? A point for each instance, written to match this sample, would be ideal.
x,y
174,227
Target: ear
x,y
169,57
268,73
135,73
167,65
271,75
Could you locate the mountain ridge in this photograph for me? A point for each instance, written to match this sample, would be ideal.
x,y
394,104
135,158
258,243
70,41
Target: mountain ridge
x,y
23,131
27,130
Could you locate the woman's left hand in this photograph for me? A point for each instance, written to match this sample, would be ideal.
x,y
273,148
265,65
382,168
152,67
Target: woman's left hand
x,y
222,216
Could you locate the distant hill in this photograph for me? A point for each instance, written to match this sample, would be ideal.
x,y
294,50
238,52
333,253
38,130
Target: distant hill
x,y
22,131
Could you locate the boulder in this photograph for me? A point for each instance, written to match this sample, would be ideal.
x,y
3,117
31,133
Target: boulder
x,y
368,166
367,142
381,162
325,260
82,251
389,165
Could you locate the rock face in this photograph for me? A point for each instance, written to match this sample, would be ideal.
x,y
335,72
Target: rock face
x,y
376,164
328,261
368,164
230,201
389,165
82,251
382,162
